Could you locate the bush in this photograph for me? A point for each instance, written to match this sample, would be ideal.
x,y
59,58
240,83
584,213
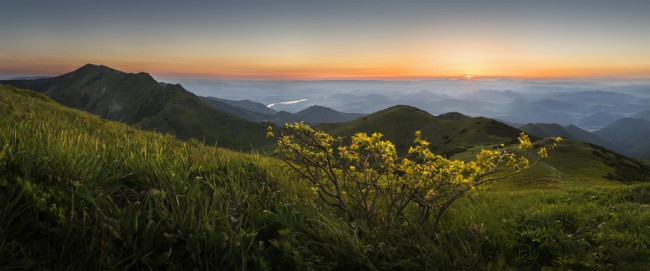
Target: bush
x,y
367,180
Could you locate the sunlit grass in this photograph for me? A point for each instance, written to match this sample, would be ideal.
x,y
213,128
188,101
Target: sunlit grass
x,y
79,192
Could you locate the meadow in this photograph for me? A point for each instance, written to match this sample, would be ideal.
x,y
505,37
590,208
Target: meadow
x,y
78,192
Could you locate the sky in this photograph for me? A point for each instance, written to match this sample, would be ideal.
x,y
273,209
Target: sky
x,y
330,39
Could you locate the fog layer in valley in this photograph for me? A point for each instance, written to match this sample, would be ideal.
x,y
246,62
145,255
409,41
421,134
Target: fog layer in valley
x,y
588,105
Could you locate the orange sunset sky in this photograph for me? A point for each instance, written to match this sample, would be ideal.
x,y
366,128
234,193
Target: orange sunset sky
x,y
330,39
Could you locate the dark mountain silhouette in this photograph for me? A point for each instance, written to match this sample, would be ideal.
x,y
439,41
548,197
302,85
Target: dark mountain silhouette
x,y
140,100
321,114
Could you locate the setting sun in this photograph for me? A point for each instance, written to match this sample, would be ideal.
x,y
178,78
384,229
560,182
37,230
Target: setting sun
x,y
304,40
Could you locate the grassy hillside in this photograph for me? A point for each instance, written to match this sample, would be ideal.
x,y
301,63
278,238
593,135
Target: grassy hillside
x,y
83,193
139,100
574,164
447,134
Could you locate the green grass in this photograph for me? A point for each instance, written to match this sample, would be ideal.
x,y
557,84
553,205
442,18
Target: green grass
x,y
137,199
81,193
589,228
574,164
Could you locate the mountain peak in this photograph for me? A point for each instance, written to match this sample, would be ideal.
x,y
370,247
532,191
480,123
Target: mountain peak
x,y
319,108
543,130
453,116
400,108
95,68
321,114
447,136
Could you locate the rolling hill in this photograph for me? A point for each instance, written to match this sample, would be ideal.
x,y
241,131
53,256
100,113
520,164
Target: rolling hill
x,y
139,100
252,111
252,116
247,105
543,130
571,164
321,114
449,133
575,164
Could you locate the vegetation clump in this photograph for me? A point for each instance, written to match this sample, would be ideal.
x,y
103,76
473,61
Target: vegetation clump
x,y
367,180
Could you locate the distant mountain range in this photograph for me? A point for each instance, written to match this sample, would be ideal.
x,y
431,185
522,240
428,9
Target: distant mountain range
x,y
257,112
231,107
587,105
629,136
247,105
139,100
543,130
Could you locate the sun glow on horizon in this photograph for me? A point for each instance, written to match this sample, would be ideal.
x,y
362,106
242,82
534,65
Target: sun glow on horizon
x,y
300,40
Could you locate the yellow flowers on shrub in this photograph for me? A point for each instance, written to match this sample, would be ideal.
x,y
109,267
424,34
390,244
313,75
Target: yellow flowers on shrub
x,y
366,179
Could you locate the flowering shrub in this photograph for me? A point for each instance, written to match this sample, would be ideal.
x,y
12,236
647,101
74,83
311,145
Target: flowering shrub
x,y
368,180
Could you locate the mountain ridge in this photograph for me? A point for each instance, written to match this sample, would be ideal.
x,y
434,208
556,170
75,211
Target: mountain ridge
x,y
446,135
321,114
248,105
312,114
138,99
571,131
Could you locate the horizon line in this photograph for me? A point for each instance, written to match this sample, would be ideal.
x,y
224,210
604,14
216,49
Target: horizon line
x,y
7,75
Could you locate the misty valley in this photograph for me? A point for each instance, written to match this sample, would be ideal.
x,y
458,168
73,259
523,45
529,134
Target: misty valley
x,y
602,114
